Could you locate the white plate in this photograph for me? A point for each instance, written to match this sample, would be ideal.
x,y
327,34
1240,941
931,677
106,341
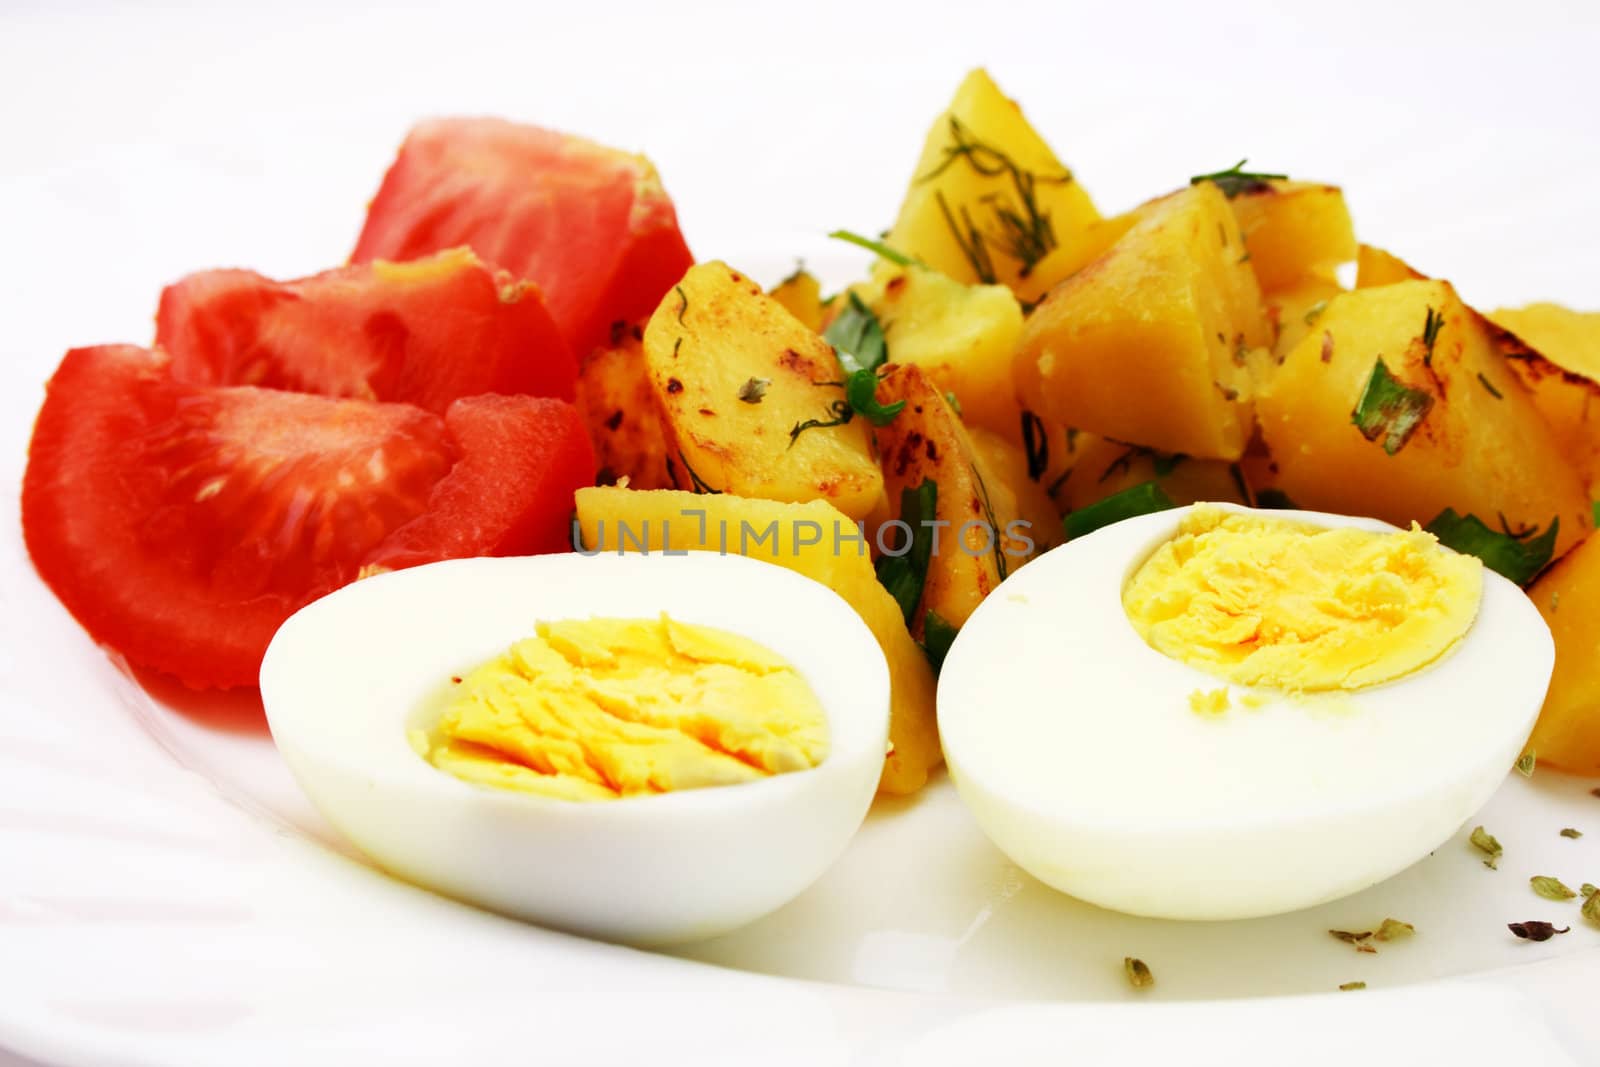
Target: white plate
x,y
167,895
170,889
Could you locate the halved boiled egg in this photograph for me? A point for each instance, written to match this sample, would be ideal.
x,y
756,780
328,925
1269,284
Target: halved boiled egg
x,y
357,683
1214,713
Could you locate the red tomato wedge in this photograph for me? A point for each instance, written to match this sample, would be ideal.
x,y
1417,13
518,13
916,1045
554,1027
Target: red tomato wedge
x,y
590,225
511,493
181,523
424,332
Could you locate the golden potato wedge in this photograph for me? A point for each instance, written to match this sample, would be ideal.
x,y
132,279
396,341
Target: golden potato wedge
x,y
620,412
734,374
812,539
801,295
1293,310
1457,428
1556,352
1293,230
989,200
961,335
1568,596
983,540
1074,251
1150,342
1375,267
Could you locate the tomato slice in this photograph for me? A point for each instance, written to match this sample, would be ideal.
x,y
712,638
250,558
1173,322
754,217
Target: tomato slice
x,y
424,332
511,493
591,225
182,523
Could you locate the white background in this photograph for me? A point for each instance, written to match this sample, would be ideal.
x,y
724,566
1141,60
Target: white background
x,y
139,142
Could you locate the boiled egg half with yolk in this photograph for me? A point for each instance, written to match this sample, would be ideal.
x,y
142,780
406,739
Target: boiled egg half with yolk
x,y
1219,713
642,748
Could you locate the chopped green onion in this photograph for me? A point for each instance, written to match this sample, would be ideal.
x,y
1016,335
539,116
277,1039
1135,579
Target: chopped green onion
x,y
937,637
877,248
903,575
1141,499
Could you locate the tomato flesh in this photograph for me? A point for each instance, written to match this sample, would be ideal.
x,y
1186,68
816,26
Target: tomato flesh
x,y
425,332
522,459
182,523
590,225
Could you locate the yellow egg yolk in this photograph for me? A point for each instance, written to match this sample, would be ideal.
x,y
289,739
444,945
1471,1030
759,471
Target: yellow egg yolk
x,y
597,709
1270,602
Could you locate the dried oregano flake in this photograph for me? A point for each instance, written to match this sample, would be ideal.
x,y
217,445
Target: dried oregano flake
x,y
1484,841
1388,930
1550,888
1536,930
1138,973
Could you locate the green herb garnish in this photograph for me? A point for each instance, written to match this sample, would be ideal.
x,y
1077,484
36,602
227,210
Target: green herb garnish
x,y
955,405
1394,930
1525,764
1348,986
754,390
697,484
1314,312
1141,499
903,575
1487,384
1389,409
1236,180
1431,325
685,305
857,337
1485,842
1550,888
1138,973
1021,229
1591,907
859,345
1519,555
841,414
1162,464
937,637
1568,831
1001,567
970,240
877,248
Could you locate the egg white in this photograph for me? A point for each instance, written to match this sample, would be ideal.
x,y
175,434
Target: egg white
x,y
1073,743
346,676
